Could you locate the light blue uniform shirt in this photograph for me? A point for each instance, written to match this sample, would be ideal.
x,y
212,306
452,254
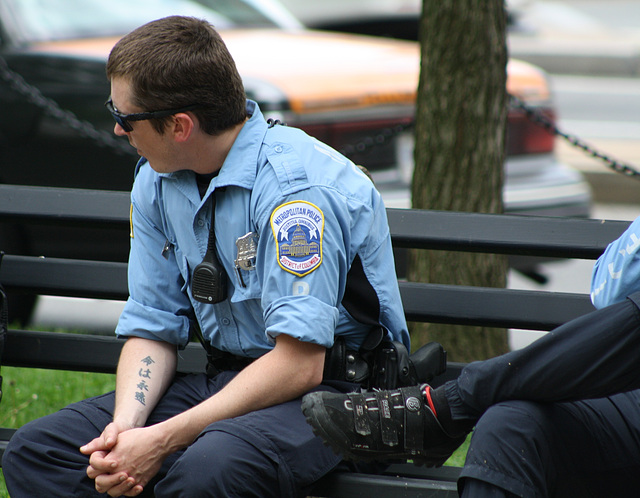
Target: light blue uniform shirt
x,y
315,216
616,274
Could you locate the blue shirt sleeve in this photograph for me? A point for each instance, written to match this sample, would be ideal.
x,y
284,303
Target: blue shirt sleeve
x,y
616,274
291,297
157,307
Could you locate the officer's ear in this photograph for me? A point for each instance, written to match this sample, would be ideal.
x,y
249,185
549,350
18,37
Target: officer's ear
x,y
182,126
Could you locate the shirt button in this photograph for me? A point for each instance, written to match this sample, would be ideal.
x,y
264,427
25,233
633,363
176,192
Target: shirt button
x,y
200,223
278,148
226,321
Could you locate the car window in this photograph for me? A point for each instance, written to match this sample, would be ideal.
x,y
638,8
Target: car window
x,y
254,13
50,20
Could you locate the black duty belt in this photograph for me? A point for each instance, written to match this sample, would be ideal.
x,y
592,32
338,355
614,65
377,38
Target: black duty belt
x,y
221,361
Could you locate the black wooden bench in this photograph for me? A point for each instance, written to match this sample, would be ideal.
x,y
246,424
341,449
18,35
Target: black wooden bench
x,y
503,234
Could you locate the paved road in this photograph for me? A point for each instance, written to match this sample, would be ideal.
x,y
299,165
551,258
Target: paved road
x,y
581,15
603,112
598,107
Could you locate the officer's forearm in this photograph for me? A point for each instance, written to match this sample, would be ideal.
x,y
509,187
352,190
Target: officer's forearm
x,y
145,369
290,370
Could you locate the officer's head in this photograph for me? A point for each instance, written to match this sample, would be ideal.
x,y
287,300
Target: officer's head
x,y
177,62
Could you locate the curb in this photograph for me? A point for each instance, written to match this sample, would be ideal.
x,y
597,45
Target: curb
x,y
586,65
613,188
607,186
598,54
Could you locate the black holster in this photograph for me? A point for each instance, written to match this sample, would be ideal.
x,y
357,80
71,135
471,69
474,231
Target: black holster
x,y
395,367
384,364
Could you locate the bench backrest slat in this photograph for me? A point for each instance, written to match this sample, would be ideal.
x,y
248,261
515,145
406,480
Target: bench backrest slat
x,y
474,232
503,234
86,353
509,308
63,205
65,277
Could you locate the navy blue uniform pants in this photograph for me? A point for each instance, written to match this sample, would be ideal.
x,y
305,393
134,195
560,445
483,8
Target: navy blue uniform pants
x,y
560,417
266,453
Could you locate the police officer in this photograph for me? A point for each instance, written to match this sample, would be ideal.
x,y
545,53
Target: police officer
x,y
259,239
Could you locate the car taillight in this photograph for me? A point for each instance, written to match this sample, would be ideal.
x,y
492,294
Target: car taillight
x,y
525,136
371,143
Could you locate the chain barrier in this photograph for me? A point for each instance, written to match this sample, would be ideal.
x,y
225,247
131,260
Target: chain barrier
x,y
540,119
533,114
51,108
106,139
380,138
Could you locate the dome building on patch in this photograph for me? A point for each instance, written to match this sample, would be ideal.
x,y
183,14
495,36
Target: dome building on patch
x,y
299,246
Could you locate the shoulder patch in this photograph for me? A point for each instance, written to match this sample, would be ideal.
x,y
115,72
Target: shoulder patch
x,y
297,228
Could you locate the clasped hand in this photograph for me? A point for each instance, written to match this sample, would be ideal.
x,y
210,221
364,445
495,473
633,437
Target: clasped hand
x,y
123,461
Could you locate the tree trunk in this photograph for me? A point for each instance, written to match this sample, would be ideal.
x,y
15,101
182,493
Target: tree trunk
x,y
459,153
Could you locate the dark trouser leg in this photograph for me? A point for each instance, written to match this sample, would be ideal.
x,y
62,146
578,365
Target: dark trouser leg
x,y
578,449
270,453
43,457
267,453
593,356
535,435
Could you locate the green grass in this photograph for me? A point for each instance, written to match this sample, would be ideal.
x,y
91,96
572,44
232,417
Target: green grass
x,y
30,393
459,456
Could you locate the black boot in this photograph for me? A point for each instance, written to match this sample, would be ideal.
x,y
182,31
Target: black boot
x,y
380,425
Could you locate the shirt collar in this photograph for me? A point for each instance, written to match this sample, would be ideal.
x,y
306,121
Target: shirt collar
x,y
240,166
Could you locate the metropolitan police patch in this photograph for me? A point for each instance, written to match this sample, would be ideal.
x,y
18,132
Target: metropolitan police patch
x,y
297,227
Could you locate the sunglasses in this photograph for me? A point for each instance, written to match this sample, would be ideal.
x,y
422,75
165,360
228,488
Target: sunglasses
x,y
123,119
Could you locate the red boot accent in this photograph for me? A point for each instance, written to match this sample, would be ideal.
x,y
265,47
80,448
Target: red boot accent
x,y
427,394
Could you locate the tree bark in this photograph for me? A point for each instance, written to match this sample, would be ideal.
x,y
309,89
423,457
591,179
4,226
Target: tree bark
x,y
459,153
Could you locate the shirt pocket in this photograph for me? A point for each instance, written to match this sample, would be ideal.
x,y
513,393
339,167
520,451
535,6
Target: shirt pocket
x,y
246,285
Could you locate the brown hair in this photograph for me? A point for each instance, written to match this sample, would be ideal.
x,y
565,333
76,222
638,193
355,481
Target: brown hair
x,y
179,61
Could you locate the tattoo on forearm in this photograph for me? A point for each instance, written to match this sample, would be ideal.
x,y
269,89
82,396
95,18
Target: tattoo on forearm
x,y
142,386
